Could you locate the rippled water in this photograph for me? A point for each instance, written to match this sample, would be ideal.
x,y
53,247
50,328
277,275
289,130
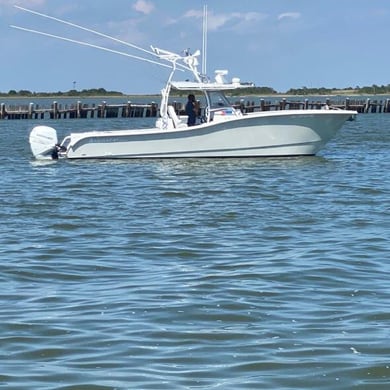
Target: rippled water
x,y
196,274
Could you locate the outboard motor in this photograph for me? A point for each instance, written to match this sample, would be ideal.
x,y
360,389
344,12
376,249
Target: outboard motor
x,y
44,142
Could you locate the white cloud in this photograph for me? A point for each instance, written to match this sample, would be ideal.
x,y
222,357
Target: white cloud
x,y
144,6
214,21
22,2
193,13
289,15
235,19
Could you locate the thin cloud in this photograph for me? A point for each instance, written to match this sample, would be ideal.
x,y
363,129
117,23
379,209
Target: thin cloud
x,y
143,6
214,21
22,2
233,20
289,15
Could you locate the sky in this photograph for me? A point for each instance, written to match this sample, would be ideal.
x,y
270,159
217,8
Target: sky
x,y
281,44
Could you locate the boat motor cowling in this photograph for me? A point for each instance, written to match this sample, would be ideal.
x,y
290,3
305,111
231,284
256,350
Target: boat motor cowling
x,y
43,141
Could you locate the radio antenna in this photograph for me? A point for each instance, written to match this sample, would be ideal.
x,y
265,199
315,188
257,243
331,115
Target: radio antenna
x,y
204,41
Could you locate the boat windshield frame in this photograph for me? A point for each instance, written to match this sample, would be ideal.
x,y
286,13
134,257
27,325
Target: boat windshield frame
x,y
216,99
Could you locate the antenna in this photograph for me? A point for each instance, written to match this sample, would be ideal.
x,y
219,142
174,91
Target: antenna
x,y
204,41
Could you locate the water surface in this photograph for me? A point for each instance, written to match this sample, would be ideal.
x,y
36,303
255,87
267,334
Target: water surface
x,y
196,274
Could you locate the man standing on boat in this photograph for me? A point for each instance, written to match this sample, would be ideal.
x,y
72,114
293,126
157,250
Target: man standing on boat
x,y
191,110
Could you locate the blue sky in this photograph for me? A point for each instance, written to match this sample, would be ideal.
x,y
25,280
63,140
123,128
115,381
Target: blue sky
x,y
281,44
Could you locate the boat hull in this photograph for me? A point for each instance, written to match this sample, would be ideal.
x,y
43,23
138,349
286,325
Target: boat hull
x,y
282,133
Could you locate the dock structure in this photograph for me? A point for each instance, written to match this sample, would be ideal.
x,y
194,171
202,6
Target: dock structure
x,y
129,110
78,110
361,106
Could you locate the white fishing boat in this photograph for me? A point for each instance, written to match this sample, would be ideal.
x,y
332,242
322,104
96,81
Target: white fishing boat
x,y
221,130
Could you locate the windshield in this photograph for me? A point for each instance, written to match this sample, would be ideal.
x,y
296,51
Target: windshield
x,y
217,99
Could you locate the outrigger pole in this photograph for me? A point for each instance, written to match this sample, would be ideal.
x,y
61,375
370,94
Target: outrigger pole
x,y
204,41
83,28
90,45
178,66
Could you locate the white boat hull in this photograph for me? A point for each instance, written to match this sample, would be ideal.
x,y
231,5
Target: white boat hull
x,y
276,133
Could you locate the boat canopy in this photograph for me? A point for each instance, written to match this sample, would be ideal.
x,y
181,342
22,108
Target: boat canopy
x,y
196,86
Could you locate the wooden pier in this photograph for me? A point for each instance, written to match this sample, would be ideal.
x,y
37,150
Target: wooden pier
x,y
130,110
361,106
78,110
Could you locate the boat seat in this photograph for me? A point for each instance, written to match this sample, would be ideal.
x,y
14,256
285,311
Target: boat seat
x,y
175,119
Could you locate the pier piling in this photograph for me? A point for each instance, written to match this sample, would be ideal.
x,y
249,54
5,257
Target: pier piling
x,y
130,110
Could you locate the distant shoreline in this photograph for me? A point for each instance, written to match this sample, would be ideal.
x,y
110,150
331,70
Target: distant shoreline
x,y
157,96
102,93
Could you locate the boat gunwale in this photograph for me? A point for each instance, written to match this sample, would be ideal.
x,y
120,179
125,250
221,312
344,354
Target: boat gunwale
x,y
260,114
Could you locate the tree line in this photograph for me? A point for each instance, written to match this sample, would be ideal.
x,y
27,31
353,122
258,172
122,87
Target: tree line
x,y
252,90
72,92
368,90
261,91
